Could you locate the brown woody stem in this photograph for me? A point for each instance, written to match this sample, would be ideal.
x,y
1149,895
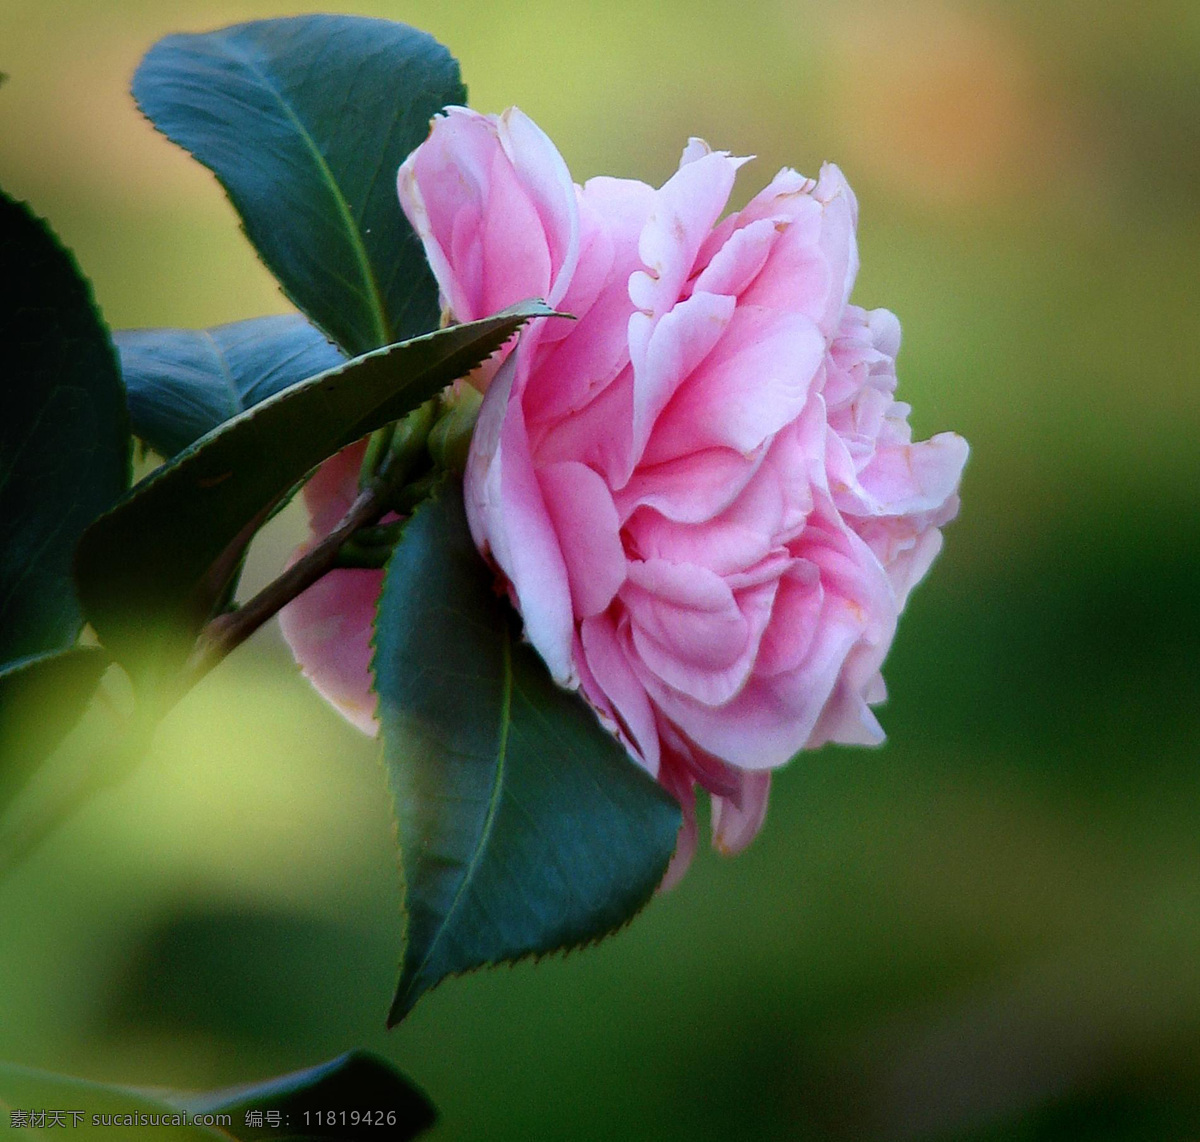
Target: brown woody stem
x,y
228,631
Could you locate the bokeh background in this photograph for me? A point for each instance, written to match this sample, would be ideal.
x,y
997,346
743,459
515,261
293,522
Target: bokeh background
x,y
987,929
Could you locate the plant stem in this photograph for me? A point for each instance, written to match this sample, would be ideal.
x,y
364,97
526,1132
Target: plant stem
x,y
117,758
228,631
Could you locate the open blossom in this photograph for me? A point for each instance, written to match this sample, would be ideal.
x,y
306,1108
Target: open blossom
x,y
701,495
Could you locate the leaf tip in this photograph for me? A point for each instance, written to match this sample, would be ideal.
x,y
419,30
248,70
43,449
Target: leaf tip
x,y
403,1003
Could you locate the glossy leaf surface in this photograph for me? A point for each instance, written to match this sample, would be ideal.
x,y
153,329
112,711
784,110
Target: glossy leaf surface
x,y
150,571
355,1096
524,826
64,436
318,1104
305,121
183,383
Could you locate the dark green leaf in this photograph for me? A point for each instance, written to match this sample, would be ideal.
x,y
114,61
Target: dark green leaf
x,y
150,570
319,1104
24,1089
305,121
182,383
524,826
64,436
41,698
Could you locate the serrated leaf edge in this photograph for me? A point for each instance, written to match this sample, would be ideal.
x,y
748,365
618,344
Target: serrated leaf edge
x,y
164,470
405,999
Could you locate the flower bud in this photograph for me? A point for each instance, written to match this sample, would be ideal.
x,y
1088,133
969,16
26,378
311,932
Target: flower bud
x,y
450,438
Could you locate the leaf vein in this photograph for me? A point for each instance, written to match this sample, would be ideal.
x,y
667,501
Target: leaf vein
x,y
374,298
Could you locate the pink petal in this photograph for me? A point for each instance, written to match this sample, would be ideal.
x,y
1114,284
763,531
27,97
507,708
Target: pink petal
x,y
333,488
329,629
862,354
685,209
493,203
508,519
812,265
786,198
911,478
724,545
838,240
612,214
775,713
754,382
738,262
849,570
680,341
573,371
609,668
678,781
545,178
691,631
794,620
771,718
579,358
768,510
598,434
570,378
736,822
514,248
442,187
908,567
847,719
585,521
481,483
689,489
905,547
693,150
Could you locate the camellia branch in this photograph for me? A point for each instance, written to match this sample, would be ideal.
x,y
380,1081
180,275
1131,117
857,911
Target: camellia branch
x,y
392,456
387,485
224,633
228,631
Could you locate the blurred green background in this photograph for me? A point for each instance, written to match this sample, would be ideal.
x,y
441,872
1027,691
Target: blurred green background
x,y
987,929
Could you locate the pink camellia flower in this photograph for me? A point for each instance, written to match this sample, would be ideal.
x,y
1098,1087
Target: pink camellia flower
x,y
702,495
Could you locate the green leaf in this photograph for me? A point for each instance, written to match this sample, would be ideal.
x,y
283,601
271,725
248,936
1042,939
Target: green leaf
x,y
354,1082
150,571
64,436
319,1104
41,698
25,1089
305,122
524,826
182,383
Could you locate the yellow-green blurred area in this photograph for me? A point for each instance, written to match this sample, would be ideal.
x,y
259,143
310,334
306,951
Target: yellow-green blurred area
x,y
988,929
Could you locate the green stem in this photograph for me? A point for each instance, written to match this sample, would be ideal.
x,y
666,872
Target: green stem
x,y
382,535
378,447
